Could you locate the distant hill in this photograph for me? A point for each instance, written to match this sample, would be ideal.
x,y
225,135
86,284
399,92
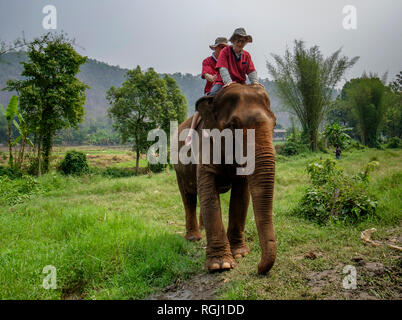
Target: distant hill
x,y
100,76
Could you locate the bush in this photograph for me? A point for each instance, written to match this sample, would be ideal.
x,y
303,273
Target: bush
x,y
11,173
18,190
32,168
394,143
118,172
336,197
289,148
355,145
156,168
74,162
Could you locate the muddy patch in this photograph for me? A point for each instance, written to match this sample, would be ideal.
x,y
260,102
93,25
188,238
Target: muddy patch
x,y
374,281
200,287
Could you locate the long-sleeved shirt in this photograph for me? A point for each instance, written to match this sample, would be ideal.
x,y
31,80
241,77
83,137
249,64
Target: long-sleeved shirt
x,y
237,66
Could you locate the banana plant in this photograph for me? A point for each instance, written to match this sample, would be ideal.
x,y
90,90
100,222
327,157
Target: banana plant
x,y
9,113
23,137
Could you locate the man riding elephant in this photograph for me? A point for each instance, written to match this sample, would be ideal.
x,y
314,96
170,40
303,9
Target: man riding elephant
x,y
243,108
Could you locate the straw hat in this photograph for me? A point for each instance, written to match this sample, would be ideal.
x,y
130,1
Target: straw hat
x,y
241,32
219,41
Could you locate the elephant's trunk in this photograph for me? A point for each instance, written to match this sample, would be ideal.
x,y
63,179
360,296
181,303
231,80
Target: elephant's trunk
x,y
261,184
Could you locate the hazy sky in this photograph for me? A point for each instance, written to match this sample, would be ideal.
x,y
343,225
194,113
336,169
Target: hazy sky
x,y
173,35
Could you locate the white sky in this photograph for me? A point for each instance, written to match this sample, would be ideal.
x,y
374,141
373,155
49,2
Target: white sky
x,y
173,35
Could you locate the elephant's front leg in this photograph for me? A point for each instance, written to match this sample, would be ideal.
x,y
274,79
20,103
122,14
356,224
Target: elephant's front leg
x,y
218,254
239,201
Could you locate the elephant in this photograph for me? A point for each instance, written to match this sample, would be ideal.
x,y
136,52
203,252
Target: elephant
x,y
238,106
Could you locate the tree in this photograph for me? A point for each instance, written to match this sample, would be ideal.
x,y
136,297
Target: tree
x,y
393,118
9,114
135,106
341,112
144,102
51,97
336,135
176,106
305,81
23,139
367,96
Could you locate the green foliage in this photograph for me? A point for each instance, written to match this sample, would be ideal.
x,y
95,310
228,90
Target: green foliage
x,y
33,163
394,143
355,145
336,135
294,145
321,172
74,162
305,81
366,96
10,172
13,191
51,97
289,148
393,118
114,172
340,112
144,102
334,196
156,168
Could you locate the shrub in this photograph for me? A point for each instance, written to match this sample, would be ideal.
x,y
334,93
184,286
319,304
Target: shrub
x,y
355,145
394,143
11,173
334,196
290,148
3,155
17,190
118,172
156,168
74,162
32,168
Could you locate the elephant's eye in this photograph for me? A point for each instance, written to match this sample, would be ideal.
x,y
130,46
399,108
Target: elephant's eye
x,y
234,123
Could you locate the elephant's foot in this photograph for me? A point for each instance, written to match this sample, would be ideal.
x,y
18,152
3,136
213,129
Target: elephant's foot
x,y
226,262
193,236
239,250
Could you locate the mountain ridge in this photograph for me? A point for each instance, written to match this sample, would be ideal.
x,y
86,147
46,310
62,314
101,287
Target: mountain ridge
x,y
100,76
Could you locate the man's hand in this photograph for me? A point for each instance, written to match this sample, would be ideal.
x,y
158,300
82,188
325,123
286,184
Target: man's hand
x,y
209,77
260,84
228,84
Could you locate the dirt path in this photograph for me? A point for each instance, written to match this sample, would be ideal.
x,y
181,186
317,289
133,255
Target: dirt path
x,y
200,287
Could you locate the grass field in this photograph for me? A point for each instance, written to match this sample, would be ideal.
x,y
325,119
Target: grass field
x,y
123,238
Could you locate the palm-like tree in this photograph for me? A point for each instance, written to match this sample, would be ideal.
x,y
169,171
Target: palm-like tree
x,y
305,81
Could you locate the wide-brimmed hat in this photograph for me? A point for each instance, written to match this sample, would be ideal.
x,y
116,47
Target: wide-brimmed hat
x,y
241,32
219,41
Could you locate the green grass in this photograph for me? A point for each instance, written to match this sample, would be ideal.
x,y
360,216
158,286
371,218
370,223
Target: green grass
x,y
123,238
102,235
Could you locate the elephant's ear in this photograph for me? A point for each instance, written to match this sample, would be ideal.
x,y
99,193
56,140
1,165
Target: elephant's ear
x,y
205,106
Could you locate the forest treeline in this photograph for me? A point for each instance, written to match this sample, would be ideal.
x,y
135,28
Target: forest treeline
x,y
99,76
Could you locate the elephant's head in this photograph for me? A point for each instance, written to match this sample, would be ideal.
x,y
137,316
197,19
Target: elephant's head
x,y
248,107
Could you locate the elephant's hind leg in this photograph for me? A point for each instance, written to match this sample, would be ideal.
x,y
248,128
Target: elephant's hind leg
x,y
239,201
190,205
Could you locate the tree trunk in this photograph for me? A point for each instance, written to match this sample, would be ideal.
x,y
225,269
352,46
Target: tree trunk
x,y
47,148
137,162
39,154
10,148
21,159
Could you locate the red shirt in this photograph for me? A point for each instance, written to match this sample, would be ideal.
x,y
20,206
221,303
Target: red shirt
x,y
238,68
208,66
